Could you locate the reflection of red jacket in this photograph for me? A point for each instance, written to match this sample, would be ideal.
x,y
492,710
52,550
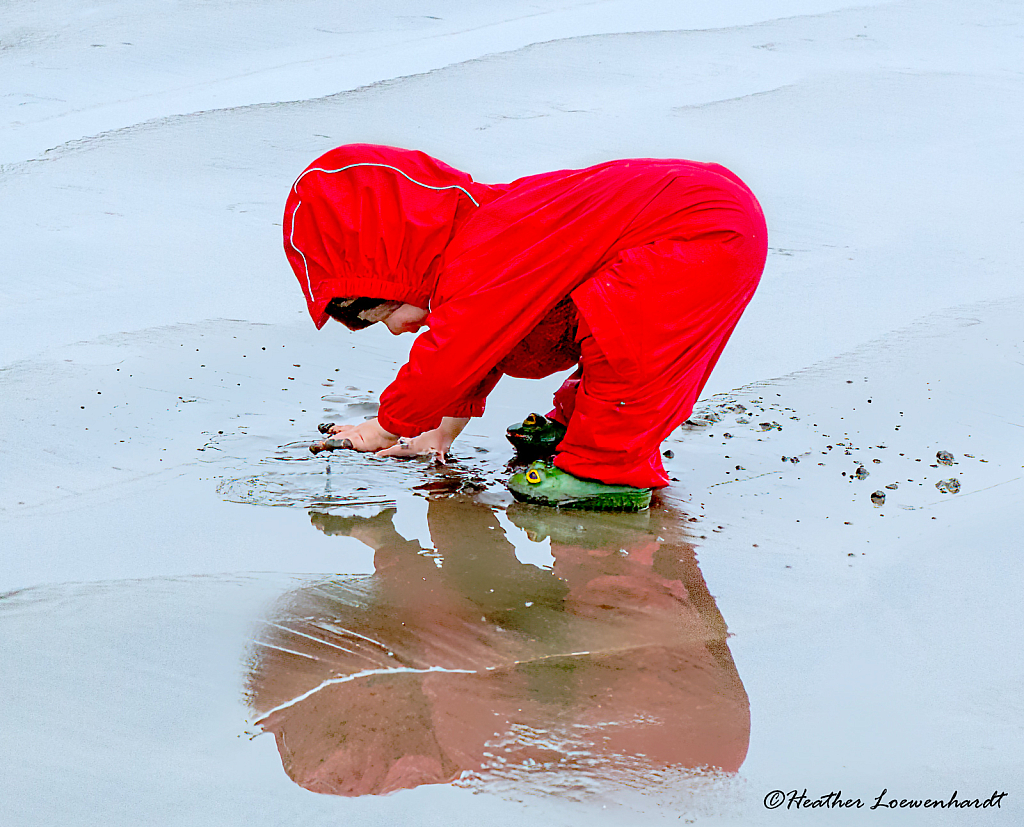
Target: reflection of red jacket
x,y
491,261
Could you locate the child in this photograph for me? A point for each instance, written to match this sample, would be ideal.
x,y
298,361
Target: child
x,y
636,270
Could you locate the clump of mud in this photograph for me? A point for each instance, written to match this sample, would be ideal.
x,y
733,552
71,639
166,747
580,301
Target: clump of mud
x,y
703,419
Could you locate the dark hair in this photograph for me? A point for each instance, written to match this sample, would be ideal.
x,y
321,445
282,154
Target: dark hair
x,y
347,311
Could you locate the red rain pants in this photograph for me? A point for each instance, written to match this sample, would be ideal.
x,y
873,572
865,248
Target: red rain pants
x,y
617,413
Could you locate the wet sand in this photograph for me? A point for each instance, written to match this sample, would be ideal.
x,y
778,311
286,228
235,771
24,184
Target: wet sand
x,y
763,627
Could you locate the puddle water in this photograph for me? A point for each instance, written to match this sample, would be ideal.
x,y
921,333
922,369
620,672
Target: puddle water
x,y
292,476
461,664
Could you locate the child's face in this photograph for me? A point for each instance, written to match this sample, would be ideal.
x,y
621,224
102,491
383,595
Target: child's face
x,y
406,319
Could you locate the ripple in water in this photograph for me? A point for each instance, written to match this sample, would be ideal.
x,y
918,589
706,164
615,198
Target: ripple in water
x,y
294,477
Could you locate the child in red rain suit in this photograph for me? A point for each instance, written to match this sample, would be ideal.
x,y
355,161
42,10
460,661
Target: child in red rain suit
x,y
637,271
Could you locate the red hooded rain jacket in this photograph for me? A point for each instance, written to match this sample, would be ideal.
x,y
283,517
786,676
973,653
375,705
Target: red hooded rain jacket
x,y
658,257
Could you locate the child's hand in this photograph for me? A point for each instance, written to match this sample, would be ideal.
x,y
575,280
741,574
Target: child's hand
x,y
432,443
429,444
367,436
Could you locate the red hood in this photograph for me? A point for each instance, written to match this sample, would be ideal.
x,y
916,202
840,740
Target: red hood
x,y
374,221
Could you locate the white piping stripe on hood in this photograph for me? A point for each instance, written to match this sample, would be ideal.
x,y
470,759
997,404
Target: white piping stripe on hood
x,y
407,670
385,166
291,238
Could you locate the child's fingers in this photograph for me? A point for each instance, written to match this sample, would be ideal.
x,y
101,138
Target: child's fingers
x,y
402,448
349,440
353,437
412,448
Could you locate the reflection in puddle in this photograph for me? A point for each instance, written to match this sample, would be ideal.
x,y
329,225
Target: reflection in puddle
x,y
464,664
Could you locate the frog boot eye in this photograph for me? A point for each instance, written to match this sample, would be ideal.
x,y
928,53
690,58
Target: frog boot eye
x,y
544,484
535,436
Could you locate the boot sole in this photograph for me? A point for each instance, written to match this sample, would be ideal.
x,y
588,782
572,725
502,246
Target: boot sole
x,y
618,501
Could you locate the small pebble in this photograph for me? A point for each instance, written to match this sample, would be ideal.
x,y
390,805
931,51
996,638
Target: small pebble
x,y
944,458
669,454
861,473
878,498
950,486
